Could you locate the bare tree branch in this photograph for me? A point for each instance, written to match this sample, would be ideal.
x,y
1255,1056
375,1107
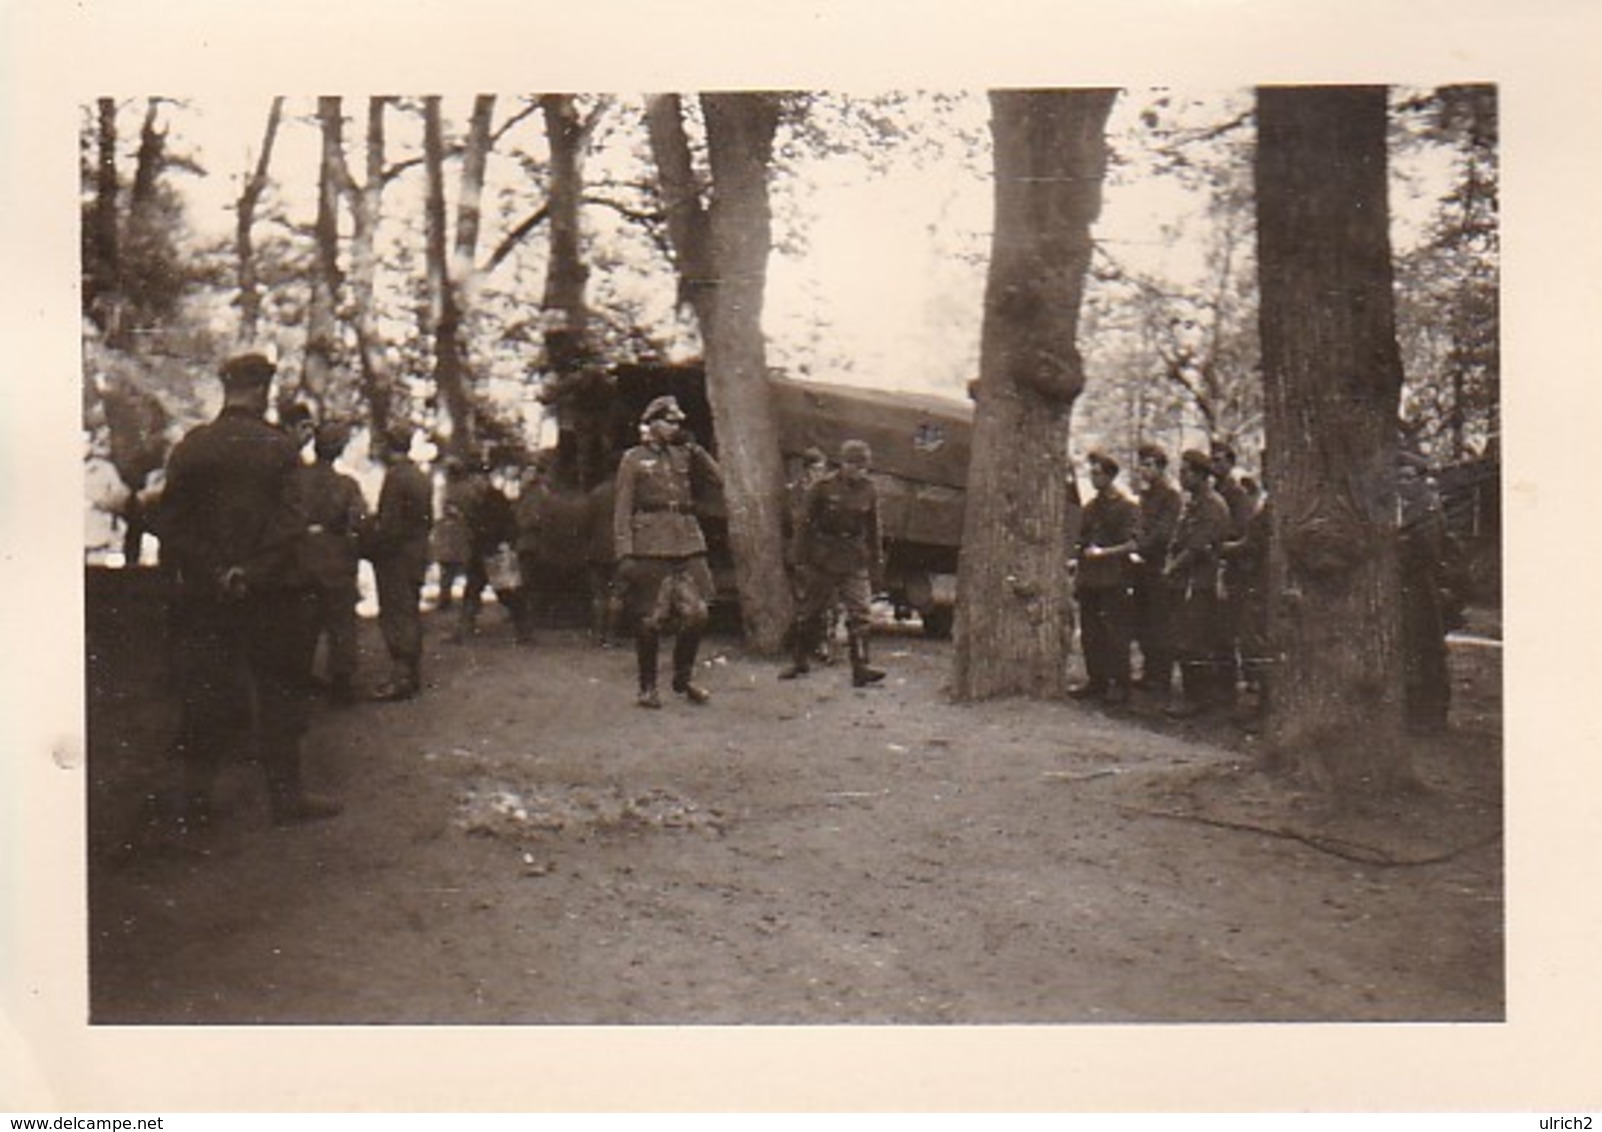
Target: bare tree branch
x,y
516,236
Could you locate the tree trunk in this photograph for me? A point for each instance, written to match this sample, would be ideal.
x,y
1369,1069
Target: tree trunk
x,y
1333,382
101,297
567,275
244,223
445,314
1013,613
721,255
367,209
322,328
139,234
740,129
687,220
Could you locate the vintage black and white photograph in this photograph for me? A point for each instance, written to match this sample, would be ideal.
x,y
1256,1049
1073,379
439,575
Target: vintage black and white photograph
x,y
926,557
1000,561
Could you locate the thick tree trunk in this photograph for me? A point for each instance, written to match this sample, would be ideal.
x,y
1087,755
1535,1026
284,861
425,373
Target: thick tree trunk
x,y
244,225
139,232
740,129
1013,614
102,298
1333,381
445,315
322,327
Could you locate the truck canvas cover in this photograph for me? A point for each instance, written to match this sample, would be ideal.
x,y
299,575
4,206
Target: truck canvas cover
x,y
920,443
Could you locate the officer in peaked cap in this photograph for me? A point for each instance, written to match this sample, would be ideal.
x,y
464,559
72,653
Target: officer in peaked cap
x,y
661,551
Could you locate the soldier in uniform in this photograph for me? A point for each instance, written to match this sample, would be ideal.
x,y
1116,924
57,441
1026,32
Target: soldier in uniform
x,y
1245,564
1106,540
335,514
1422,549
1238,502
231,528
1191,572
397,543
1160,505
661,550
839,558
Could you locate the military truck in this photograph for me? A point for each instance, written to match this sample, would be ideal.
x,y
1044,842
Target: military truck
x,y
920,445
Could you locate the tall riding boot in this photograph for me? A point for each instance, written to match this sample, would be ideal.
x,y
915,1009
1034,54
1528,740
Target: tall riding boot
x,y
645,642
685,647
862,673
802,644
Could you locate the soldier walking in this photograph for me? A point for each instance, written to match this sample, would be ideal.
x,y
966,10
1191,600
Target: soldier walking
x,y
661,550
397,544
231,526
839,558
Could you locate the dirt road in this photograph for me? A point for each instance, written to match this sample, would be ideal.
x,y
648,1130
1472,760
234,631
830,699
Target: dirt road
x,y
523,845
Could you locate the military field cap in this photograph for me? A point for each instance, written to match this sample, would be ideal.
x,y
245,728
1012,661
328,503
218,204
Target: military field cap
x,y
253,368
1153,453
856,452
398,438
662,409
1196,460
331,437
1223,448
1106,463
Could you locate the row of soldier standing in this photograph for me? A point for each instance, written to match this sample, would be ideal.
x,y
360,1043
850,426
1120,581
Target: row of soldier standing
x,y
1182,573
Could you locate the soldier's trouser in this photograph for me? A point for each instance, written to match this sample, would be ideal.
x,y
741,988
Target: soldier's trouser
x,y
399,619
336,619
1199,636
1104,635
1150,621
818,593
667,595
1256,651
229,654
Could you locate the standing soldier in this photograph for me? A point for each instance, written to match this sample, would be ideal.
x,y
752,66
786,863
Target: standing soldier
x,y
1245,563
1106,540
1422,549
450,539
335,514
397,544
232,527
839,558
1191,572
661,551
1238,502
1160,504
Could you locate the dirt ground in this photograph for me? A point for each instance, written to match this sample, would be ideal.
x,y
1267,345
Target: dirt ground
x,y
523,845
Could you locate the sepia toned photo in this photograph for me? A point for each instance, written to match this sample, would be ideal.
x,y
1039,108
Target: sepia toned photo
x,y
921,558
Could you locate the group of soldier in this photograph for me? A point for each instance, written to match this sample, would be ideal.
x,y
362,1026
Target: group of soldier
x,y
265,548
1180,572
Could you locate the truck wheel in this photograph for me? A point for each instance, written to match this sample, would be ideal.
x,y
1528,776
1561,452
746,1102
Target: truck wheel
x,y
938,622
